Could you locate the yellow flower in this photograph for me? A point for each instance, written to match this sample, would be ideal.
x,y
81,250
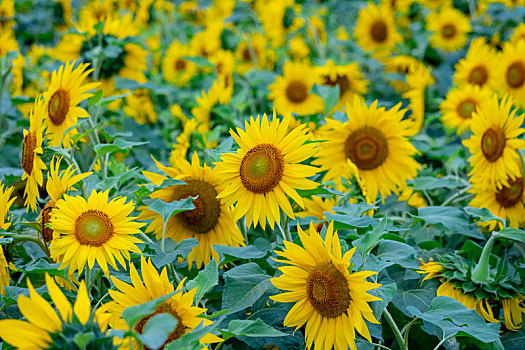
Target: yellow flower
x,y
8,42
513,310
432,269
93,230
298,48
252,52
402,64
5,204
153,286
205,103
7,13
291,92
518,34
175,68
449,29
140,107
316,29
417,80
331,301
277,18
479,65
260,175
413,198
211,222
510,73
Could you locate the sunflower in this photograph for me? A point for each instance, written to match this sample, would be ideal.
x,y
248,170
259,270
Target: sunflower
x,y
175,68
140,107
510,76
404,65
31,163
375,30
518,34
44,326
224,65
207,42
505,202
494,143
417,81
205,103
291,92
265,170
331,301
298,48
316,29
61,102
153,286
449,29
479,65
513,310
372,146
431,269
7,14
211,222
460,103
252,52
5,204
91,230
277,18
348,78
8,43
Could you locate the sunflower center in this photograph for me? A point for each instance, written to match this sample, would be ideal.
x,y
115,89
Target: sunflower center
x,y
45,216
367,148
516,74
296,91
180,65
246,54
163,308
510,195
379,31
465,108
448,31
262,168
327,290
478,75
58,106
28,152
493,143
207,210
341,80
93,227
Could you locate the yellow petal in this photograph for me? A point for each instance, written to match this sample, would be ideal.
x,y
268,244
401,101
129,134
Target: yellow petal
x,y
82,306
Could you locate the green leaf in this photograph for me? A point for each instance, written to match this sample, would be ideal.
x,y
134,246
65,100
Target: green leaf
x,y
452,219
227,254
329,94
250,328
370,240
134,313
157,330
172,251
205,280
199,61
6,240
512,233
318,191
34,225
482,214
93,100
514,340
117,145
83,339
386,292
42,266
164,184
167,210
425,183
190,341
342,222
398,253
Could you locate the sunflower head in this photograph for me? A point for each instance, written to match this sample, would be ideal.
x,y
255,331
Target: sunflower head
x,y
450,28
511,71
5,203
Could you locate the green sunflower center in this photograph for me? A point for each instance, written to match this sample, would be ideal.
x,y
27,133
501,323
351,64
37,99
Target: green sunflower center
x,y
296,91
493,143
164,308
448,31
58,106
28,152
367,148
465,108
379,31
478,75
207,210
510,195
93,227
516,74
262,168
180,64
327,290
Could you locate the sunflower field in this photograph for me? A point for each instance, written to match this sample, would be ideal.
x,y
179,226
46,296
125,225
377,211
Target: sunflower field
x,y
262,174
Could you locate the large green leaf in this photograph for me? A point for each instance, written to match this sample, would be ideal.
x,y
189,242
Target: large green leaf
x,y
157,330
204,281
452,219
134,313
250,328
172,250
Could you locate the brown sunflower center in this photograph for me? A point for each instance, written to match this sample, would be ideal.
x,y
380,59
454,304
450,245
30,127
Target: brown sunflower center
x,y
465,108
478,75
516,74
510,195
180,65
327,290
296,91
163,308
246,54
93,227
207,210
448,31
28,152
45,216
262,168
493,143
367,148
379,31
58,106
341,80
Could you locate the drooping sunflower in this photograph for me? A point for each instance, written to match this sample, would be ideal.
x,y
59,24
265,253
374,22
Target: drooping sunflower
x,y
460,103
494,143
91,230
291,92
348,78
375,30
152,286
211,222
449,27
175,68
31,162
61,102
513,310
510,75
260,175
372,145
331,301
479,65
417,81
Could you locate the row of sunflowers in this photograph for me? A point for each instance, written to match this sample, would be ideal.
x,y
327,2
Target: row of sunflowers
x,y
262,174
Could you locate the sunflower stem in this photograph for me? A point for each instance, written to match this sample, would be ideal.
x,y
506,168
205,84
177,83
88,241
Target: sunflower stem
x,y
285,227
23,238
244,229
481,273
163,237
455,195
381,346
406,329
176,277
395,329
92,282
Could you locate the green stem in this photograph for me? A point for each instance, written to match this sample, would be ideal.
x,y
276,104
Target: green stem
x,y
23,238
407,328
163,238
176,277
395,330
95,278
144,237
455,195
481,273
381,346
243,228
441,342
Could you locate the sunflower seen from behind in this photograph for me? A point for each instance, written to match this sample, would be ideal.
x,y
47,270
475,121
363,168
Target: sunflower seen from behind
x,y
265,170
92,230
211,222
510,75
331,301
479,65
372,145
449,29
